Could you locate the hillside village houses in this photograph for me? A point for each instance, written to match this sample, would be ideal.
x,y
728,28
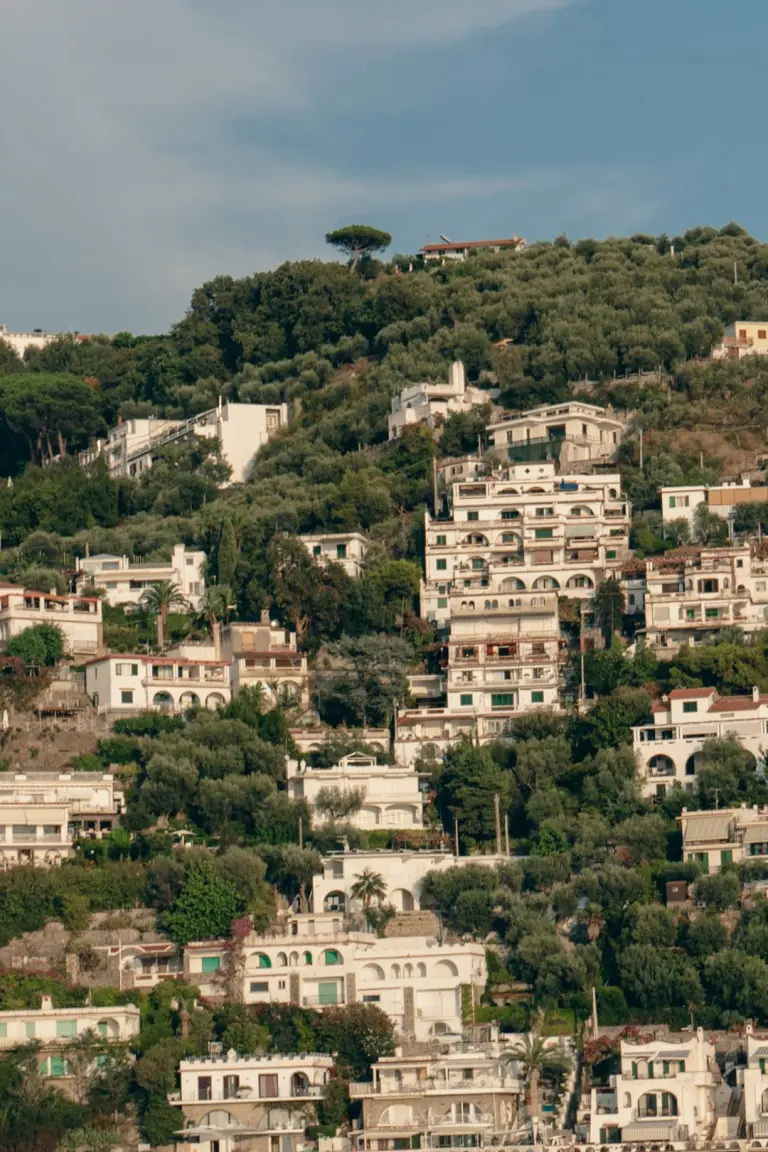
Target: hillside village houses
x,y
724,836
265,653
78,617
669,750
432,403
573,434
267,1100
755,1084
422,985
345,548
124,581
240,429
126,683
54,1028
41,814
742,338
389,794
461,249
681,502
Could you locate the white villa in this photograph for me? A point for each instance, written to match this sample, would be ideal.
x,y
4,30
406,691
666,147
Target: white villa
x,y
42,813
742,338
573,434
316,963
241,430
665,1092
668,751
265,653
136,683
431,403
345,548
682,501
390,794
54,1028
125,580
78,617
724,836
755,1085
267,1100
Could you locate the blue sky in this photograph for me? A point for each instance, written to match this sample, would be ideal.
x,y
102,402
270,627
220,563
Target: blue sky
x,y
149,145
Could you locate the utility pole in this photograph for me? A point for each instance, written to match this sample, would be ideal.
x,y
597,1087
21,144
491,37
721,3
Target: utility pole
x,y
301,832
434,485
506,832
455,831
497,817
641,449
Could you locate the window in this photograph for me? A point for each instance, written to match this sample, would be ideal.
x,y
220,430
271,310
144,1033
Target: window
x,y
66,1028
102,1028
543,533
29,1028
690,706
316,549
329,993
672,502
537,697
332,956
281,984
126,696
473,515
501,700
711,613
3,1029
441,565
441,541
55,1066
210,964
51,829
307,957
739,563
264,961
510,514
371,999
761,333
259,986
268,1085
477,563
465,700
545,511
610,554
341,551
127,669
442,601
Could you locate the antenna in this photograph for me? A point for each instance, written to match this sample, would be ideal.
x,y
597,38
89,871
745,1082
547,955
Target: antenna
x,y
445,239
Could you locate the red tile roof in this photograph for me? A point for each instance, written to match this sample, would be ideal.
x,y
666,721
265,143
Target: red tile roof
x,y
691,693
470,244
738,703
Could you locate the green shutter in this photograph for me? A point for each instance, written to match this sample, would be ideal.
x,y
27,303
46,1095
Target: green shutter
x,y
211,963
66,1028
650,1069
264,961
501,700
329,993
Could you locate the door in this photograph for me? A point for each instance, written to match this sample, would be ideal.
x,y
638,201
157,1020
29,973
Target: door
x,y
329,992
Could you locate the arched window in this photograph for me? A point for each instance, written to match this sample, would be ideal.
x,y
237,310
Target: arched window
x,y
396,971
331,956
262,960
446,968
407,970
307,957
282,960
421,970
661,765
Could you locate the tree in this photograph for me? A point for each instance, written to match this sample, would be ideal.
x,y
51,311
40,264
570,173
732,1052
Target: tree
x,y
40,645
159,599
356,240
708,528
466,787
215,606
367,887
608,605
293,868
536,1060
365,679
720,891
339,803
226,555
205,907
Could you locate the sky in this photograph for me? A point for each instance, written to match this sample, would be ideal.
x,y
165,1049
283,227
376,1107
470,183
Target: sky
x,y
149,145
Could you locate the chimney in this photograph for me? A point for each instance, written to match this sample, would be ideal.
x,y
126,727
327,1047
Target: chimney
x,y
46,1004
755,695
264,618
456,378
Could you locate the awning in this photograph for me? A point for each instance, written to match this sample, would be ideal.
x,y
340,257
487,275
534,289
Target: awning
x,y
761,1053
649,1130
696,829
756,834
674,1054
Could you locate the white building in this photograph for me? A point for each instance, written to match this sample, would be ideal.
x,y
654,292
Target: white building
x,y
755,1085
742,338
241,429
41,814
573,434
267,1100
55,1028
680,502
20,341
125,580
669,750
466,1097
78,617
137,683
724,836
345,548
431,403
403,874
529,527
265,653
390,794
461,249
693,593
315,963
665,1092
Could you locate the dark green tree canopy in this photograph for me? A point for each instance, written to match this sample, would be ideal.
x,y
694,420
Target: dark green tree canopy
x,y
357,240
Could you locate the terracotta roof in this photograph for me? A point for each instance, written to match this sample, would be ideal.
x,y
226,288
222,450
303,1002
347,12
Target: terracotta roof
x,y
738,703
470,244
691,693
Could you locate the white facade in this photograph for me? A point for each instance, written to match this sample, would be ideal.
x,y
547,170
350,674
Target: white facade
x,y
402,872
268,1100
265,653
574,433
742,338
345,548
430,403
316,964
755,1085
241,429
42,813
132,683
125,580
55,1028
692,594
664,1092
460,249
530,528
78,617
391,796
20,341
724,836
668,751
682,501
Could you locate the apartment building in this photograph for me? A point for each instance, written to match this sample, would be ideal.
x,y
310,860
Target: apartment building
x,y
130,683
124,580
315,963
680,502
470,1096
669,750
403,873
265,653
755,1084
665,1092
742,338
390,794
55,1028
724,836
241,430
262,1103
345,548
42,813
573,434
432,403
461,249
78,617
529,527
20,341
693,593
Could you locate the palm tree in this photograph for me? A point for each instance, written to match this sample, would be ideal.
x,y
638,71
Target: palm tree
x,y
535,1059
593,919
158,599
215,607
368,886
